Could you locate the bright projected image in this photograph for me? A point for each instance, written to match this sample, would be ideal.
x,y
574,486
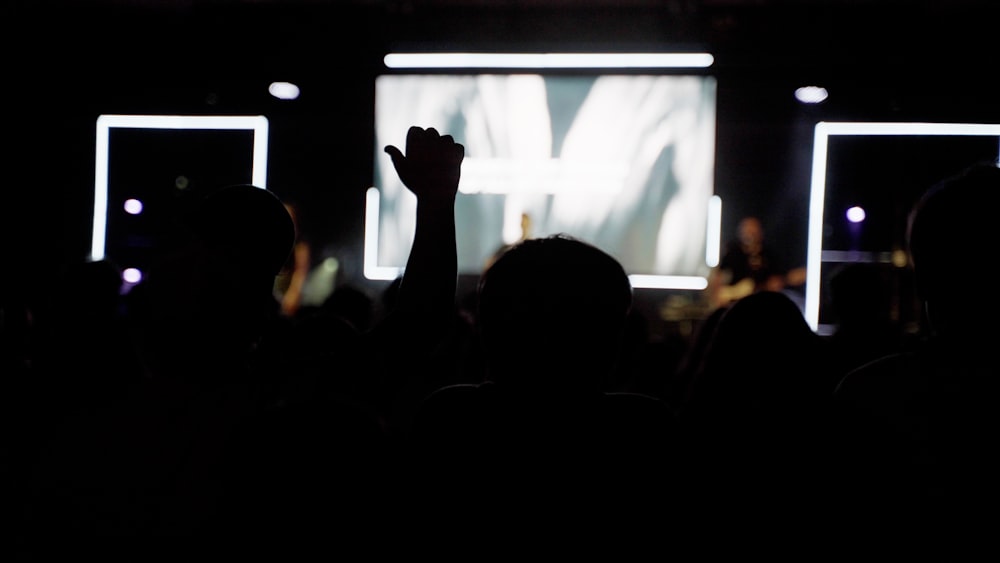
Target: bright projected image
x,y
623,161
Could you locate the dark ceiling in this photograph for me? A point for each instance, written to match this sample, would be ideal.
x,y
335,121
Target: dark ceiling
x,y
885,44
721,23
814,39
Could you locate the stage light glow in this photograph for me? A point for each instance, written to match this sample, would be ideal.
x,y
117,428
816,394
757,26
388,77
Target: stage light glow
x,y
132,275
855,214
283,90
132,206
811,94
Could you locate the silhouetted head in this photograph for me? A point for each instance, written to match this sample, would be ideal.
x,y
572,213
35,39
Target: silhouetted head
x,y
249,227
762,351
951,233
552,312
762,322
211,296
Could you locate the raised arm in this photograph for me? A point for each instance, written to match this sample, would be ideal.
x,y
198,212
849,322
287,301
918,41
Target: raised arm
x,y
430,169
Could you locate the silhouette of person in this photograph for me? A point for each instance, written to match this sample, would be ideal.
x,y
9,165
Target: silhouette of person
x,y
913,431
317,473
541,436
864,329
755,412
142,462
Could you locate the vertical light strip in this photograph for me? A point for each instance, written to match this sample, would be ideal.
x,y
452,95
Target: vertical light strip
x,y
371,268
260,146
817,194
97,241
713,238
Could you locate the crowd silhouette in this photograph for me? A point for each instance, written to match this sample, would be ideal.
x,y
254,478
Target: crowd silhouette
x,y
192,416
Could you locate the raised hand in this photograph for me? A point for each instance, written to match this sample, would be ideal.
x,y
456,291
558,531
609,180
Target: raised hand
x,y
430,169
432,164
424,312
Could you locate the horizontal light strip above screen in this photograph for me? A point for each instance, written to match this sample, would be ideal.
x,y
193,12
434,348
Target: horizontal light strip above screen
x,y
548,60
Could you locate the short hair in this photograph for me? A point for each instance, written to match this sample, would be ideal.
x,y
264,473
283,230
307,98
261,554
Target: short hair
x,y
552,295
953,227
249,224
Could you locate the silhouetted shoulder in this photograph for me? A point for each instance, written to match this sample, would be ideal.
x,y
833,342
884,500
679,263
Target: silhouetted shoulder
x,y
883,378
645,412
453,412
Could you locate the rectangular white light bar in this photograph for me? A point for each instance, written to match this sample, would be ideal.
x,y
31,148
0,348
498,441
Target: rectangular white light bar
x,y
713,248
823,131
256,123
371,268
547,60
645,281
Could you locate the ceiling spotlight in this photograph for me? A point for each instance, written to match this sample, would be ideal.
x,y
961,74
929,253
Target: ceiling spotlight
x,y
856,214
283,90
133,206
811,94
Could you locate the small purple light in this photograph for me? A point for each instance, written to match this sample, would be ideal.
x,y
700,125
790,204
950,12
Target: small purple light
x,y
855,214
132,275
133,206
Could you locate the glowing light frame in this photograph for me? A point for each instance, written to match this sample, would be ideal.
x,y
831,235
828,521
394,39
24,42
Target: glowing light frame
x,y
256,123
817,194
